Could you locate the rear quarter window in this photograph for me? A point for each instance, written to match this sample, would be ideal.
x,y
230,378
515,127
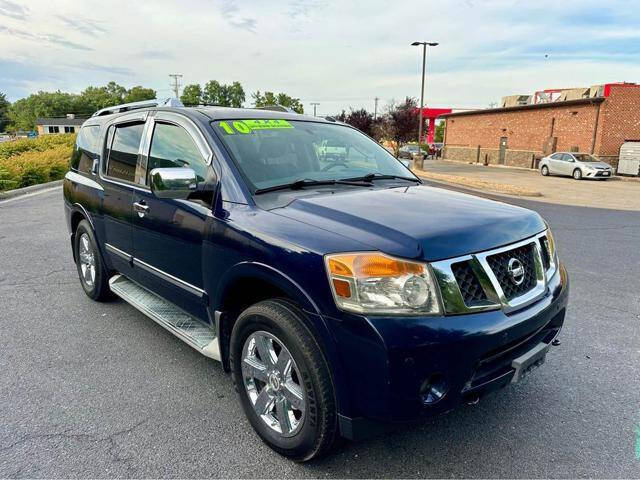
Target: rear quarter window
x,y
85,151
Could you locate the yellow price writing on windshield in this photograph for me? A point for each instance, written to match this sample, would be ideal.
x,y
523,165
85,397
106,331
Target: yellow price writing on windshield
x,y
248,126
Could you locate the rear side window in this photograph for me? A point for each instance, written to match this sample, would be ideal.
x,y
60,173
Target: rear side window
x,y
172,147
123,152
85,151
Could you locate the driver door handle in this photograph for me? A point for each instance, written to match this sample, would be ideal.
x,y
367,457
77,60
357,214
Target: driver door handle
x,y
140,208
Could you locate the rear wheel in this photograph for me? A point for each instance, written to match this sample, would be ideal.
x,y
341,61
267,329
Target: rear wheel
x,y
544,170
93,276
577,174
283,380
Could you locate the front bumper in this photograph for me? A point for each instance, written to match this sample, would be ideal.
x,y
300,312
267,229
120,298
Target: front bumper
x,y
472,354
598,173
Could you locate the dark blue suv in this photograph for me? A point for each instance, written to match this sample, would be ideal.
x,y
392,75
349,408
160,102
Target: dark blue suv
x,y
341,293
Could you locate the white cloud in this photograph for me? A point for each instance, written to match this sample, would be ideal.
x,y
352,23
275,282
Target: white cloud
x,y
338,53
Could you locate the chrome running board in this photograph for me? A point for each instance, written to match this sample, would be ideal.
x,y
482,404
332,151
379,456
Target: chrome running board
x,y
165,313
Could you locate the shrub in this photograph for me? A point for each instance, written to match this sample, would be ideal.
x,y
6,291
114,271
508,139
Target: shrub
x,y
39,144
33,175
34,166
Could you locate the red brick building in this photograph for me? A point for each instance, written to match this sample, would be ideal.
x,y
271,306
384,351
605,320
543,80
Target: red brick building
x,y
520,134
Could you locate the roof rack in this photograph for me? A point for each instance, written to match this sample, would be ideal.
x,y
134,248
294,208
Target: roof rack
x,y
277,108
125,107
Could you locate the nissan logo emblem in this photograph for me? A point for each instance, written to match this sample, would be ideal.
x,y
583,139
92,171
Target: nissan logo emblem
x,y
516,271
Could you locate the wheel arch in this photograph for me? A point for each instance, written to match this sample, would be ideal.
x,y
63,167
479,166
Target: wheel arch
x,y
78,213
247,283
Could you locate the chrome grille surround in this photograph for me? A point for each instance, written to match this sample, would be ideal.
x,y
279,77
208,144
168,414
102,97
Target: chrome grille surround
x,y
452,296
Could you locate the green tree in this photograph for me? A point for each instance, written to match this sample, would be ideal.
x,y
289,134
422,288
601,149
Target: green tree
x,y
139,93
216,93
439,133
24,112
4,110
282,99
95,98
191,94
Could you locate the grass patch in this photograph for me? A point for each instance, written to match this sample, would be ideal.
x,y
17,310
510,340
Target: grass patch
x,y
33,161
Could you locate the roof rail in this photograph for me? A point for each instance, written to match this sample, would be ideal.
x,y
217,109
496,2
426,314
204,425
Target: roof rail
x,y
166,102
277,108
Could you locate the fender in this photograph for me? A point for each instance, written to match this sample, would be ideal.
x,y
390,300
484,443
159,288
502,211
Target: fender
x,y
315,321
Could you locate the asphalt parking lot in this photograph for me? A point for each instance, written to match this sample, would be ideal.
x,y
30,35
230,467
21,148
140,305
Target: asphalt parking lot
x,y
99,390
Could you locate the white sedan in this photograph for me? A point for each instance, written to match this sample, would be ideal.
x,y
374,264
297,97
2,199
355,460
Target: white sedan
x,y
576,165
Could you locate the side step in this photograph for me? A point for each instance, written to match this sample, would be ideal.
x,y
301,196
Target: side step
x,y
165,313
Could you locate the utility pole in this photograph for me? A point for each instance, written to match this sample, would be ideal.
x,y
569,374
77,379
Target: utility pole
x,y
424,62
375,109
176,83
315,104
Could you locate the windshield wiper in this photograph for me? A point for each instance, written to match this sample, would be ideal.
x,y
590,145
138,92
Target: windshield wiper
x,y
369,177
307,182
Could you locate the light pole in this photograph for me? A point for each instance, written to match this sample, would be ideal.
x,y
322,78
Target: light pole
x,y
315,104
424,62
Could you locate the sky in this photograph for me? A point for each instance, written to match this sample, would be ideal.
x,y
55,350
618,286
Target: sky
x,y
341,54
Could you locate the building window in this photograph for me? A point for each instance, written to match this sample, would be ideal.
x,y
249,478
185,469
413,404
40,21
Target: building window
x,y
69,129
54,129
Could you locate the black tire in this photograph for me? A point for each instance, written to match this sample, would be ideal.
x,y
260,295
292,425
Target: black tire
x,y
577,174
544,171
98,289
318,430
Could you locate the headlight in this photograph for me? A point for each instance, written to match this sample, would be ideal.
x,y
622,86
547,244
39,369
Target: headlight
x,y
551,244
375,283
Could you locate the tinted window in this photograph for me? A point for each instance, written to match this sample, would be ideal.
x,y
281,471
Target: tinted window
x,y
171,147
85,149
123,153
277,152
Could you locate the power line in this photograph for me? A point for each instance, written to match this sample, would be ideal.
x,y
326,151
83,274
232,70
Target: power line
x,y
176,83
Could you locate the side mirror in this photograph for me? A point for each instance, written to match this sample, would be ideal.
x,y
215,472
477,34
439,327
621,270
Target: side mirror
x,y
176,183
406,163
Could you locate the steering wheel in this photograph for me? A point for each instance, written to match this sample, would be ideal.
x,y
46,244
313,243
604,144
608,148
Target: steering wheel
x,y
337,163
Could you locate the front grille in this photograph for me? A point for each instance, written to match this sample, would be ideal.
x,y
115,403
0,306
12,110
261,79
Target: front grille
x,y
499,263
472,292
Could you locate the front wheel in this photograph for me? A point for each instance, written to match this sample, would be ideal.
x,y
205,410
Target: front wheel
x,y
544,170
283,380
577,174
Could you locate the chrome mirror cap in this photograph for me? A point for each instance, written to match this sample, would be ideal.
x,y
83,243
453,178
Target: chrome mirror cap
x,y
176,183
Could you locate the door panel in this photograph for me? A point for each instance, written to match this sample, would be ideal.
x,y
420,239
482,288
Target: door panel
x,y
567,164
555,164
169,234
121,155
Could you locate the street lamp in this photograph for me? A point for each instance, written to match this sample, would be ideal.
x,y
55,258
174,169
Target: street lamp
x,y
424,61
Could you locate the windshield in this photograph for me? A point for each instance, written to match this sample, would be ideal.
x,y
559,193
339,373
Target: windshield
x,y
279,152
584,157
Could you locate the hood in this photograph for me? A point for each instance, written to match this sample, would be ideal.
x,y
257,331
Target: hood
x,y
416,222
596,164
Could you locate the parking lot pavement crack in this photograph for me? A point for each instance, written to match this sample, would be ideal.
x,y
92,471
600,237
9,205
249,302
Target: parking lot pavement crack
x,y
110,439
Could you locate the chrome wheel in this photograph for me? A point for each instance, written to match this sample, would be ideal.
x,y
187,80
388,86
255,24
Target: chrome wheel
x,y
273,383
86,257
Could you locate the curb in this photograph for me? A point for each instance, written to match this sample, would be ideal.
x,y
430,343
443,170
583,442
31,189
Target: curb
x,y
30,189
